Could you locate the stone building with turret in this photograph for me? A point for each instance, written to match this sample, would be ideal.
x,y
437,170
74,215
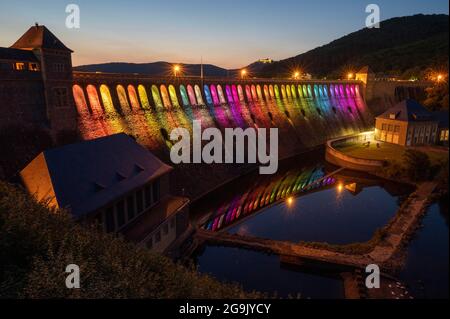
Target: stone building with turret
x,y
36,82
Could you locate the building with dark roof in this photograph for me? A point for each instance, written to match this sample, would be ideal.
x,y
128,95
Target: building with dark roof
x,y
113,181
407,123
442,118
36,82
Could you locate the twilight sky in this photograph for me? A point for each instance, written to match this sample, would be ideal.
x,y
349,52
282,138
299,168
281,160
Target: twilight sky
x,y
230,33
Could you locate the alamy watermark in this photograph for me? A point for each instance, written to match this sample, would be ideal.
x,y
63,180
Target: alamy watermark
x,y
73,279
373,19
73,18
233,144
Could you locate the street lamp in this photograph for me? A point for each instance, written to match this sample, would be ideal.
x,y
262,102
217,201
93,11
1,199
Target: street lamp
x,y
243,73
439,77
350,76
296,75
176,70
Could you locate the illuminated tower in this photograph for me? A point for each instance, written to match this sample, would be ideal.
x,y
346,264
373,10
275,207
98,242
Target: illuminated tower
x,y
56,69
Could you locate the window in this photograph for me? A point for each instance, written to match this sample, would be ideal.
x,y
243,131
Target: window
x,y
158,237
391,128
61,97
139,201
156,192
120,213
33,67
20,66
110,224
166,229
148,196
130,207
383,127
397,128
59,67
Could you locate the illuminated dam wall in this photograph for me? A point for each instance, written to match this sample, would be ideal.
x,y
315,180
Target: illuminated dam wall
x,y
306,113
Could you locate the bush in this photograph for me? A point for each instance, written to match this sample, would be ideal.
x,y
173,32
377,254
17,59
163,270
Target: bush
x,y
36,244
417,165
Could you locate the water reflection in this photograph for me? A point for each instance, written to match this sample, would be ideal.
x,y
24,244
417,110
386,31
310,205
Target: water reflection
x,y
426,270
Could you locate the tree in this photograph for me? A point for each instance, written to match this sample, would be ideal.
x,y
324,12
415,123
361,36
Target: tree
x,y
437,97
417,165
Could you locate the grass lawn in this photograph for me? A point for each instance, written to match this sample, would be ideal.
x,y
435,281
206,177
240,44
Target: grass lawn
x,y
386,151
389,152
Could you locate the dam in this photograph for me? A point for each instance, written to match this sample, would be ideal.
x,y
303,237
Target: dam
x,y
306,113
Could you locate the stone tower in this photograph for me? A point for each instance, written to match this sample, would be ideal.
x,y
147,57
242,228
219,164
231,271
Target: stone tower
x,y
56,69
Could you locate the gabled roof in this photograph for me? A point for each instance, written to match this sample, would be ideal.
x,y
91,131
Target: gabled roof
x,y
407,110
86,176
17,55
39,37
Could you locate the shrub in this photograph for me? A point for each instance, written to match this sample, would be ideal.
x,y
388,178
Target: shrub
x,y
36,244
417,165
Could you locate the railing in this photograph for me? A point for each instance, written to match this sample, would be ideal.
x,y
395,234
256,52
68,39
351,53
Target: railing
x,y
339,158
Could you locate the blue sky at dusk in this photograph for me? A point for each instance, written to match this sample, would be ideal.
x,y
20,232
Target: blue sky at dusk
x,y
228,33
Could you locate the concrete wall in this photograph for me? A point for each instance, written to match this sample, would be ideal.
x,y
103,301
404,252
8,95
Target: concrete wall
x,y
338,158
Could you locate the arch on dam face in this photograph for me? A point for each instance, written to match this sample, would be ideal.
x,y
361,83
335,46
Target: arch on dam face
x,y
229,94
325,90
310,91
305,90
107,99
277,91
215,95
259,92
156,97
191,94
198,94
271,92
165,96
332,90
142,92
134,101
94,100
248,92
316,91
123,100
254,93
352,90
173,96
293,91
235,93
341,90
241,93
300,91
288,91
184,95
266,92
283,91
336,90
80,100
347,90
221,95
208,96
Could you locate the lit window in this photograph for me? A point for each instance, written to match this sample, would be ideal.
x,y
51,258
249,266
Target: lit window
x,y
33,67
20,66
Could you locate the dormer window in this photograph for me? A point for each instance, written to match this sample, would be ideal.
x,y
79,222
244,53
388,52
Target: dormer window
x,y
393,116
33,67
20,66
